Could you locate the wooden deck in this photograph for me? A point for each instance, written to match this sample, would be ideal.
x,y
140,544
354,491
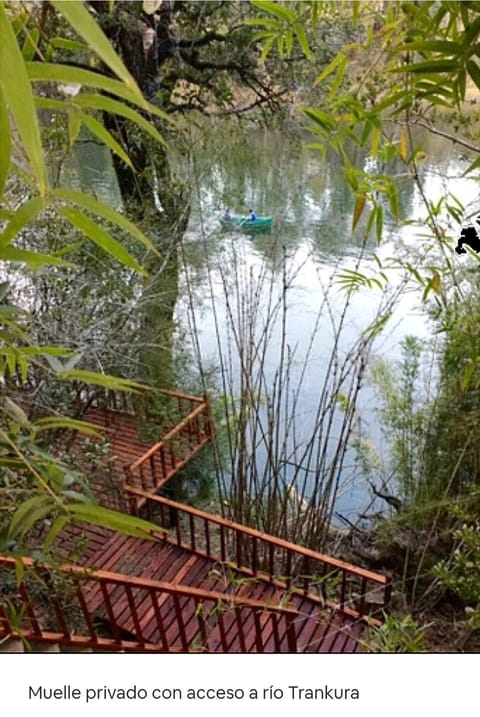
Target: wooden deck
x,y
199,583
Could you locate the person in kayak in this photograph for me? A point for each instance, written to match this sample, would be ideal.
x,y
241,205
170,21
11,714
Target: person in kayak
x,y
252,215
227,216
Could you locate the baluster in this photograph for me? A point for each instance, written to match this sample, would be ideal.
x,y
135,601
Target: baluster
x,y
55,603
158,617
163,461
254,555
178,529
86,613
258,631
37,630
291,633
222,543
153,471
110,613
134,614
343,589
206,524
288,569
238,539
202,625
306,575
240,628
192,531
221,628
180,621
363,593
271,560
274,617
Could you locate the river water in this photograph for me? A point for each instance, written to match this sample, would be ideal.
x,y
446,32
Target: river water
x,y
251,304
231,278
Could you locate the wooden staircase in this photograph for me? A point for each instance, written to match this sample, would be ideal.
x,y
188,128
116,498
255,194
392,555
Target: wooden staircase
x,y
197,582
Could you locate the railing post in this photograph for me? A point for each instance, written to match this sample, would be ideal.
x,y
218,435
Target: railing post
x,y
291,633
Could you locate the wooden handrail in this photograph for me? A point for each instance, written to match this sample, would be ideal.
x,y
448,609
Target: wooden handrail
x,y
126,610
359,572
135,582
168,436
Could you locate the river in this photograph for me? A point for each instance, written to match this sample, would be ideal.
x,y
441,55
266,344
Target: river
x,y
265,316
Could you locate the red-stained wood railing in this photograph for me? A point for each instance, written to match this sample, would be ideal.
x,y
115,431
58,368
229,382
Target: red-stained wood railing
x,y
183,429
151,470
349,588
64,605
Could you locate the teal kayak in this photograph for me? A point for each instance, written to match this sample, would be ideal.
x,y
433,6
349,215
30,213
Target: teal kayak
x,y
239,221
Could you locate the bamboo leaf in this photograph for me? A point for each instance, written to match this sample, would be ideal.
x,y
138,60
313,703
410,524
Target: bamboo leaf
x,y
57,526
379,223
105,136
86,27
17,94
403,143
326,122
50,422
358,209
93,205
429,66
302,40
33,259
448,47
29,47
474,72
66,44
100,237
116,521
68,74
5,143
280,11
14,411
107,104
22,216
28,513
436,282
74,125
101,379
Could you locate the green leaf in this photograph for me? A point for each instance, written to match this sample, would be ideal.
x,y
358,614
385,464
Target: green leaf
x,y
115,521
50,422
448,47
93,205
31,258
474,72
30,44
106,104
74,125
326,122
67,74
273,8
100,237
5,144
104,136
65,44
302,40
25,213
14,411
84,25
101,379
429,66
56,527
28,513
17,94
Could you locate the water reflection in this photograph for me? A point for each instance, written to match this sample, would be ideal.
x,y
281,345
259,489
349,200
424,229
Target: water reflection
x,y
311,241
